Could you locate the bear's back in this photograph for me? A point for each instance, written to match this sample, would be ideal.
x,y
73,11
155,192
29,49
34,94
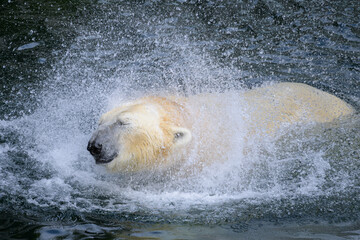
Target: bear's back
x,y
284,103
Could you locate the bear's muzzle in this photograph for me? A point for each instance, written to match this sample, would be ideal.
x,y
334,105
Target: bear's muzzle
x,y
100,156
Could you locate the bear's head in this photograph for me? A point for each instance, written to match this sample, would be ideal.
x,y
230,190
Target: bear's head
x,y
138,136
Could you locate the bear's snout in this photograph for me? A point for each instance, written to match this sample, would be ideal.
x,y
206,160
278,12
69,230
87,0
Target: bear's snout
x,y
102,151
94,148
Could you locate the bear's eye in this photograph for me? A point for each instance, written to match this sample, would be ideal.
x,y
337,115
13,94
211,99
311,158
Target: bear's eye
x,y
121,123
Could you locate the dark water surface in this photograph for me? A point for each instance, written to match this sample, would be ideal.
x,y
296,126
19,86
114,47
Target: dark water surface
x,y
63,63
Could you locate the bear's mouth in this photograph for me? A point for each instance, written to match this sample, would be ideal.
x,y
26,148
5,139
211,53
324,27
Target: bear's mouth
x,y
103,160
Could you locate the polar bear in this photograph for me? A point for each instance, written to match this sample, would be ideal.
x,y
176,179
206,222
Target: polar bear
x,y
158,132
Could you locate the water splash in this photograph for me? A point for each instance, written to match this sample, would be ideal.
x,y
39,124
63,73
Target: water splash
x,y
46,165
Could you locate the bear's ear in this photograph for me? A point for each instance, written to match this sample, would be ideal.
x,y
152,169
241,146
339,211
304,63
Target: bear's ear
x,y
182,136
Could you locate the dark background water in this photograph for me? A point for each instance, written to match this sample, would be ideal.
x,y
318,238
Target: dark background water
x,y
64,62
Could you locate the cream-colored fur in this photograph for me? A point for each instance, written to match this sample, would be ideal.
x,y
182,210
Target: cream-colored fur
x,y
157,132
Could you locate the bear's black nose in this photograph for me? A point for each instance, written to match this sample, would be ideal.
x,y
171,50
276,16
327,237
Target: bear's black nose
x,y
94,148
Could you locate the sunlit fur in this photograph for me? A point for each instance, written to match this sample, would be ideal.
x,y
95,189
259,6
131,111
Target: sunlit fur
x,y
149,138
289,103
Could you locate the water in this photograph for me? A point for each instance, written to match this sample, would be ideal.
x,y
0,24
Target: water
x,y
64,64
